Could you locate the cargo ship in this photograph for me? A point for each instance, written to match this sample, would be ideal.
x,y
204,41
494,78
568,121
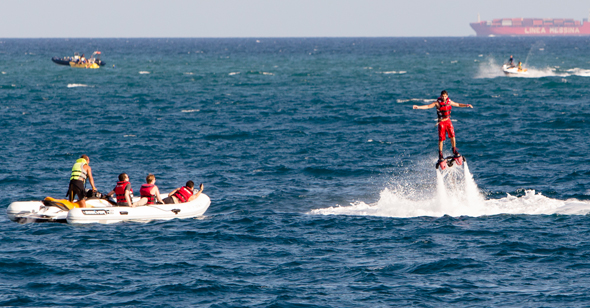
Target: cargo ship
x,y
531,27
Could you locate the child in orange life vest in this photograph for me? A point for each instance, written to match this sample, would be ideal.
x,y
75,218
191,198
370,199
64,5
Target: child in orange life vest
x,y
183,194
123,191
443,108
149,192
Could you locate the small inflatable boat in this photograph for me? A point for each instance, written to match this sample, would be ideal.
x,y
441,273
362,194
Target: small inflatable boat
x,y
101,210
114,214
93,62
513,70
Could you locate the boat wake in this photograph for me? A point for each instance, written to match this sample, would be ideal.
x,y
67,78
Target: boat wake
x,y
454,193
418,100
540,73
579,72
489,69
77,85
492,69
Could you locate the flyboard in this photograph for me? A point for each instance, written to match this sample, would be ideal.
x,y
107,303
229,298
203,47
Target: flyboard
x,y
449,161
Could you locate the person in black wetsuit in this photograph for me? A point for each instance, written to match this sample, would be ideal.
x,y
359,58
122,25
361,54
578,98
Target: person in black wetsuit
x,y
80,172
511,61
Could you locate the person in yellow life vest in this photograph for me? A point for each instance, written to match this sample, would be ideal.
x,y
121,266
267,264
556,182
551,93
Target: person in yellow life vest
x,y
123,191
80,172
183,194
519,66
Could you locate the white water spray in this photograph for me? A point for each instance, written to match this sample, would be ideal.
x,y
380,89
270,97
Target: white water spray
x,y
453,193
492,69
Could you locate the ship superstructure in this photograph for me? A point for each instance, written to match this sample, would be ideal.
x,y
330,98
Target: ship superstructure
x,y
532,27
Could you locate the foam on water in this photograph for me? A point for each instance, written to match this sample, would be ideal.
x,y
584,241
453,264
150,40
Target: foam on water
x,y
421,100
77,85
539,73
456,194
489,69
144,72
579,72
393,72
493,69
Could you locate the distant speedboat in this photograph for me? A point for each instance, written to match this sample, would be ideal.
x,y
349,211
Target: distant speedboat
x,y
80,61
513,70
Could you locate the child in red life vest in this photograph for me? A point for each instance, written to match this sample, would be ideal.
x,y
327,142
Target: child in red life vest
x,y
149,192
443,108
183,194
123,191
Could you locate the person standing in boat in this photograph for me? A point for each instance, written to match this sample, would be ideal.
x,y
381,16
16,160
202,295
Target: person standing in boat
x,y
183,194
511,61
123,191
80,172
149,192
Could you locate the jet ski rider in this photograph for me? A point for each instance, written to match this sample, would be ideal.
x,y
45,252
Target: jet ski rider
x,y
445,127
511,61
80,172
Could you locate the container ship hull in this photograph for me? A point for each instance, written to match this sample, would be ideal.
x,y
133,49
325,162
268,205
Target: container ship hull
x,y
531,27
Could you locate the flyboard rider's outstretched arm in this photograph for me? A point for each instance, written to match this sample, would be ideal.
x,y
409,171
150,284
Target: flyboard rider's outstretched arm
x,y
435,104
454,104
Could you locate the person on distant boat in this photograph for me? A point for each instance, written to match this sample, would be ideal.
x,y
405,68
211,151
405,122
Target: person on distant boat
x,y
123,191
80,172
149,192
443,109
520,66
511,61
183,194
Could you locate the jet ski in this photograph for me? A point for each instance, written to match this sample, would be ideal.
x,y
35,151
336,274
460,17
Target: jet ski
x,y
50,209
513,70
78,61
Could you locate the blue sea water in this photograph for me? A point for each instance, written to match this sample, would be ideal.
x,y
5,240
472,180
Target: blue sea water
x,y
321,175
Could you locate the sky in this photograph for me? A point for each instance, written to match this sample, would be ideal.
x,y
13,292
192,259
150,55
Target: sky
x,y
266,18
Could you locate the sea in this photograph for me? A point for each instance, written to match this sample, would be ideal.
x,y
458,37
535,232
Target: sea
x,y
321,175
